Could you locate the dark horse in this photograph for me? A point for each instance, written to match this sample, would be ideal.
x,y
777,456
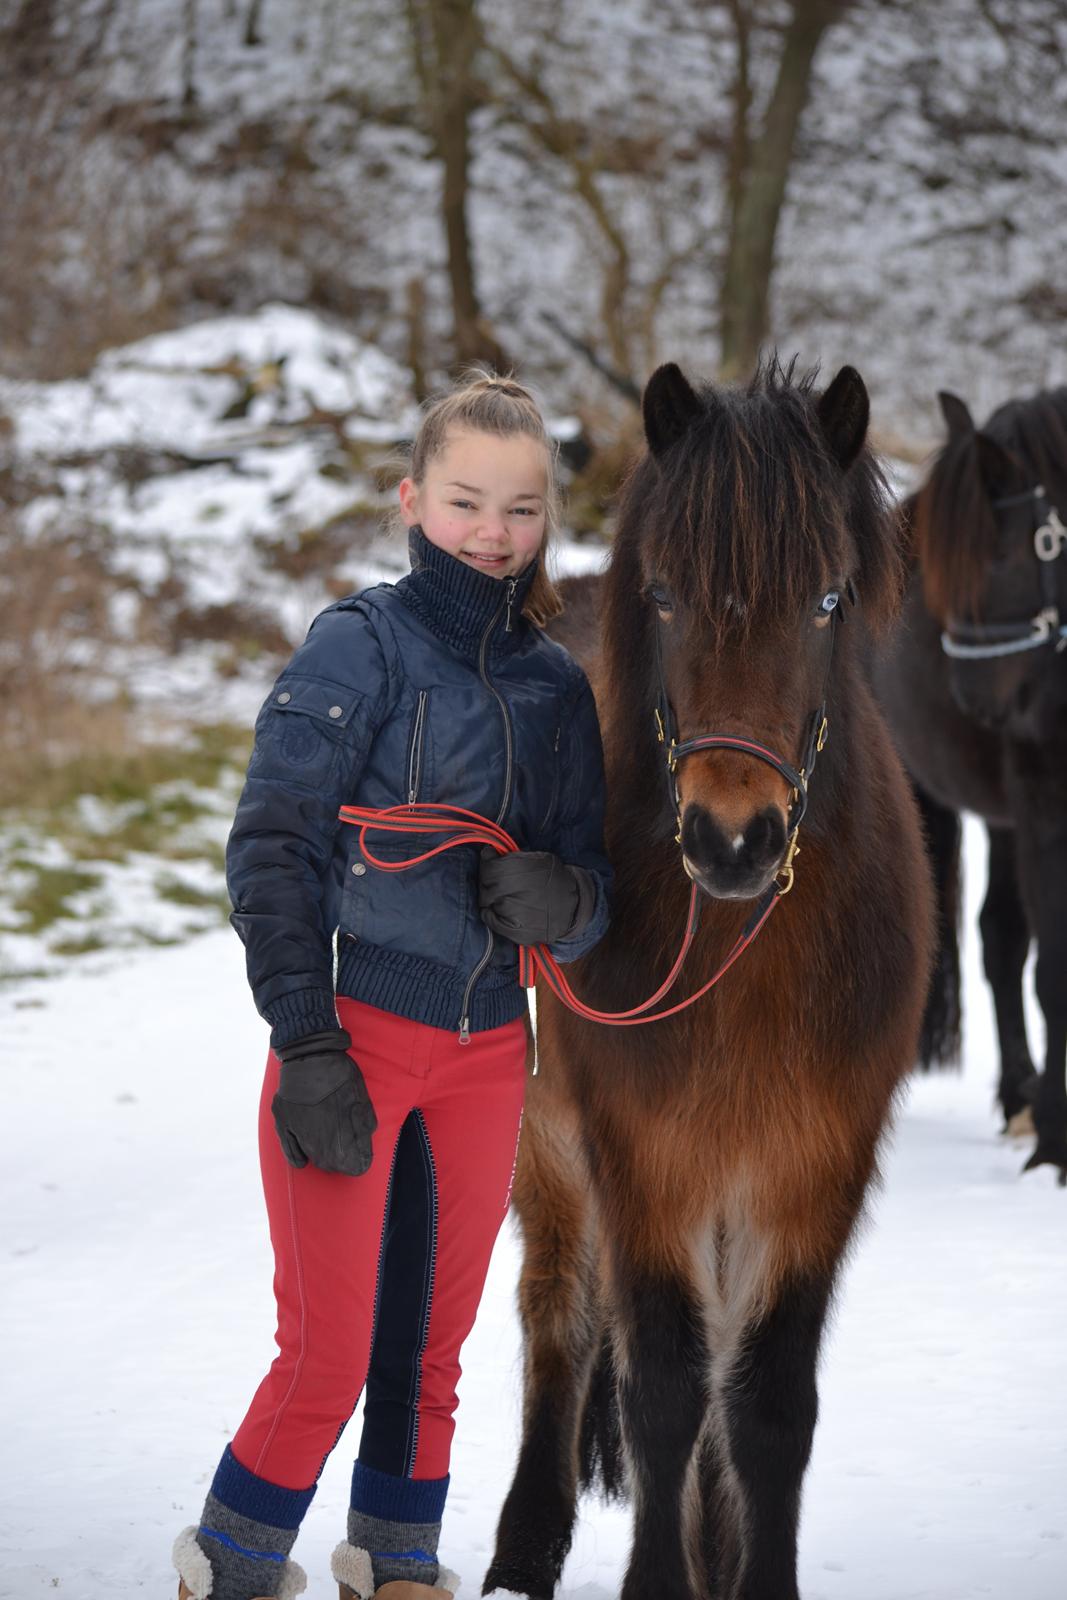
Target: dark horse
x,y
686,1190
974,683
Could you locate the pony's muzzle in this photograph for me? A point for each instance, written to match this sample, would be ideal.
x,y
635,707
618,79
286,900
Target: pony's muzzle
x,y
733,863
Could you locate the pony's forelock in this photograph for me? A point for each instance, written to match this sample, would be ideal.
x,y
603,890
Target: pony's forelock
x,y
747,516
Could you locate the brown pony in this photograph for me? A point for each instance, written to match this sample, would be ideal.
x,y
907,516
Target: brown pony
x,y
687,1190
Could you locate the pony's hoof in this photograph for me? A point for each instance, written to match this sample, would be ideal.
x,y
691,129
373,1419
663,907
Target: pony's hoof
x,y
1021,1125
1050,1152
519,1578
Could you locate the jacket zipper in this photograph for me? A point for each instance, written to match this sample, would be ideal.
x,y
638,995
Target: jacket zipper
x,y
415,758
465,1021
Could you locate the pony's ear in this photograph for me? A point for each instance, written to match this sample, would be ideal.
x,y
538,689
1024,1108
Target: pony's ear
x,y
844,412
1001,473
670,405
958,419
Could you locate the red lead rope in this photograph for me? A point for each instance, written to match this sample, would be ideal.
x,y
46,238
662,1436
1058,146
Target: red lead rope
x,y
467,827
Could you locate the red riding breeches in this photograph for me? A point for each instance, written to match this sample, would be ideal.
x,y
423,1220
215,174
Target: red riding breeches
x,y
378,1278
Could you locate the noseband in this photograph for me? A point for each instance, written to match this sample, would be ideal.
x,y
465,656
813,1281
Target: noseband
x,y
983,641
797,778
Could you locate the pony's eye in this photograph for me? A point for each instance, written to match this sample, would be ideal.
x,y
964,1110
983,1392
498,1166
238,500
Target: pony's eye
x,y
828,603
660,597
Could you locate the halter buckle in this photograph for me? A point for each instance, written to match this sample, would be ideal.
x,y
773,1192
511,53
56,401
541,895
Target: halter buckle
x,y
660,731
823,735
786,876
1050,538
1045,623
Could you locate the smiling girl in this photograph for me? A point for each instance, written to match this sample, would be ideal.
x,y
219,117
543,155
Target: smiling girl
x,y
394,1083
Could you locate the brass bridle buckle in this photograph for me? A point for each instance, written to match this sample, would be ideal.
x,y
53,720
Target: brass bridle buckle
x,y
786,876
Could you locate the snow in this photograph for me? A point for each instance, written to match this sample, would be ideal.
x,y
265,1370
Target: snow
x,y
136,1273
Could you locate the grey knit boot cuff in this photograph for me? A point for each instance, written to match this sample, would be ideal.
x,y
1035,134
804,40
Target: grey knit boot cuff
x,y
207,1581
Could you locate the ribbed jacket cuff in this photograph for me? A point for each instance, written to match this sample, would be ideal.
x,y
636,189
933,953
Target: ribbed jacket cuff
x,y
303,1011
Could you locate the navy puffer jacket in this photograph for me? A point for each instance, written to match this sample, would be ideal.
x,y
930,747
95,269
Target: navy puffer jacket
x,y
435,688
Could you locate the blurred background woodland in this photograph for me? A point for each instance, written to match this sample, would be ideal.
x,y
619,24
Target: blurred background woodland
x,y
242,238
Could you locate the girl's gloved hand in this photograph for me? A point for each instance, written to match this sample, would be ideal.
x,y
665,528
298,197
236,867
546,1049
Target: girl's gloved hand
x,y
532,897
322,1110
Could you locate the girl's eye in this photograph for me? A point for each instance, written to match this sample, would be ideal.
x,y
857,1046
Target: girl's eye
x,y
463,505
522,511
828,603
659,596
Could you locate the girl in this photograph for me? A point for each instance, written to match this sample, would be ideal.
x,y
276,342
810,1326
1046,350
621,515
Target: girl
x,y
394,1084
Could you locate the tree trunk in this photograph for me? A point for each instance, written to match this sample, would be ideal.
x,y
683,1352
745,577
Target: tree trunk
x,y
758,191
445,38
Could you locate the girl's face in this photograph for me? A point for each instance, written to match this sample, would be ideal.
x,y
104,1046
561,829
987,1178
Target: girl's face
x,y
483,500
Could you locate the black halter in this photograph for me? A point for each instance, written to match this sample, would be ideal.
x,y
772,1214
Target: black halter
x,y
798,778
983,641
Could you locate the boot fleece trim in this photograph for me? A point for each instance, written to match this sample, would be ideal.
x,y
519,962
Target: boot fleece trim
x,y
352,1566
194,1569
192,1565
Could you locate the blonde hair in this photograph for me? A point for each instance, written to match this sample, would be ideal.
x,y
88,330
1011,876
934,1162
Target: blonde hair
x,y
486,402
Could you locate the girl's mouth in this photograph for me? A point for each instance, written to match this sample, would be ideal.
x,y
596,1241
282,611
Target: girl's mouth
x,y
486,561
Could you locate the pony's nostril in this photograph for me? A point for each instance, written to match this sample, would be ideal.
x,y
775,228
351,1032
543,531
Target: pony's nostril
x,y
765,836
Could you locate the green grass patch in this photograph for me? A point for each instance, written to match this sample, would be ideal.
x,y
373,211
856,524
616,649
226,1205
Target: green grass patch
x,y
46,900
187,894
118,778
84,946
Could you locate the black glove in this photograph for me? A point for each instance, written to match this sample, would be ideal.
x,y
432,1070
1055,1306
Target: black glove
x,y
533,897
322,1110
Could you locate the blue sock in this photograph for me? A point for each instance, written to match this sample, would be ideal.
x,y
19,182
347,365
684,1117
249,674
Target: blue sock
x,y
247,1530
398,1522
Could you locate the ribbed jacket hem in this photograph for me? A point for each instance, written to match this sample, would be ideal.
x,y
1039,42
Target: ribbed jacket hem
x,y
423,991
303,1011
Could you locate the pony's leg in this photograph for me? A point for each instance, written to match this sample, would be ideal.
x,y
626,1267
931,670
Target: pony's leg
x,y
1046,872
721,1534
558,1308
662,1388
1005,943
939,1040
771,1408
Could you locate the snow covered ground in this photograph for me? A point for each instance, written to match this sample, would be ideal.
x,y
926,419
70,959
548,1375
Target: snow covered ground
x,y
135,1273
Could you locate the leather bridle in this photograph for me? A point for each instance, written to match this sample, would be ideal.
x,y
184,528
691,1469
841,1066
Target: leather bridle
x,y
984,641
797,777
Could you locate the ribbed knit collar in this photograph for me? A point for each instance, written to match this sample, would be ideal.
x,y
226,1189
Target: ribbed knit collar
x,y
457,602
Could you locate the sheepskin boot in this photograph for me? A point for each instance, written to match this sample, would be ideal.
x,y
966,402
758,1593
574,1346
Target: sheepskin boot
x,y
352,1568
196,1578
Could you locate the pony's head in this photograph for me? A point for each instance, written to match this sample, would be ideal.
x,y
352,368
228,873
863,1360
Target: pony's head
x,y
756,514
992,563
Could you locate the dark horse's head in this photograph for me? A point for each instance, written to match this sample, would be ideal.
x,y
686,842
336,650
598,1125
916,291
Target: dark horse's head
x,y
754,514
993,561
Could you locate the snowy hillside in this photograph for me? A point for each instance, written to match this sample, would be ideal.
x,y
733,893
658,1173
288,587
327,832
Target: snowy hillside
x,y
214,487
219,155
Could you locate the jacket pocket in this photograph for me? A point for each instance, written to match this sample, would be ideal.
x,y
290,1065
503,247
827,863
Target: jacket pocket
x,y
553,795
416,749
422,910
300,728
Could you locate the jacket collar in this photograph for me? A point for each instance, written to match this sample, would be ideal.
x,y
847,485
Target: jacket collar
x,y
457,602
